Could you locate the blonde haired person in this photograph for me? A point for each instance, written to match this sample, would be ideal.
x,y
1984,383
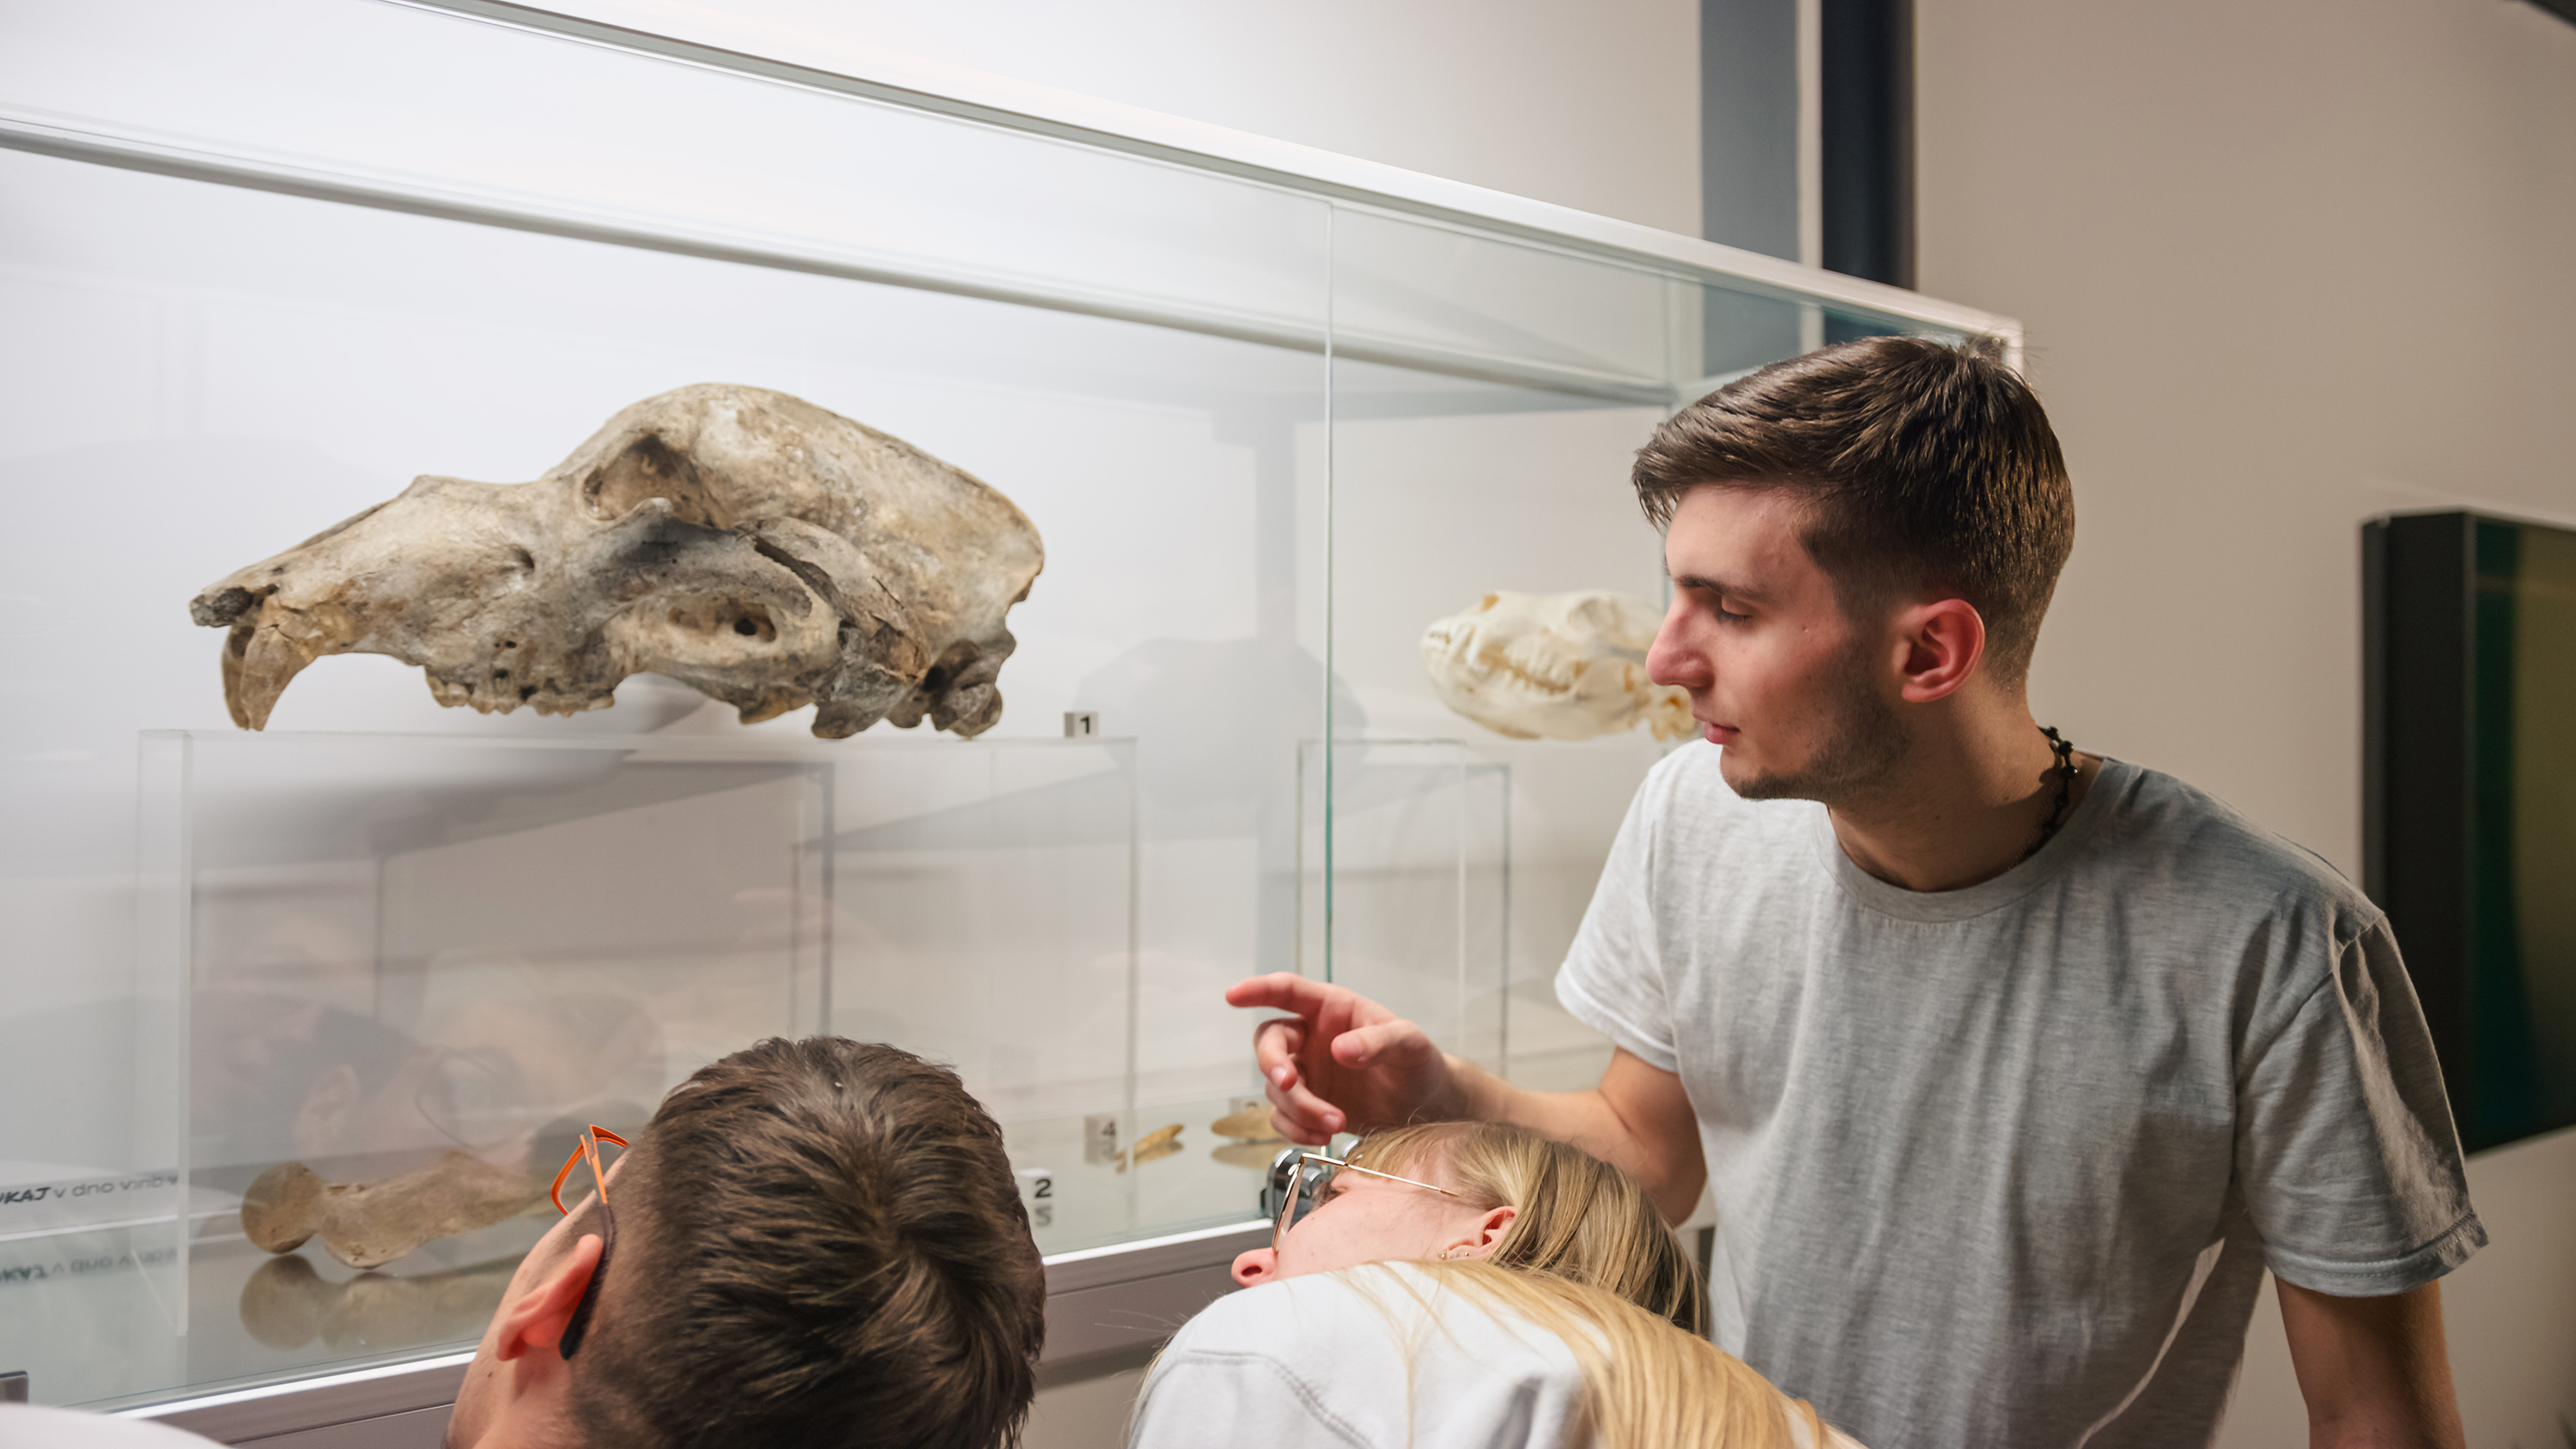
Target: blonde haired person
x,y
1457,1284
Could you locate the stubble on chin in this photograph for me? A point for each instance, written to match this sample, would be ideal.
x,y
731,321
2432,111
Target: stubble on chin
x,y
1862,746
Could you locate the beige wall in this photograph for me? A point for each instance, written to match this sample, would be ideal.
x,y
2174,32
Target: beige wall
x,y
2284,266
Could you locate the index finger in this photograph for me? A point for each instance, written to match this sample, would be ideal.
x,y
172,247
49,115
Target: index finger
x,y
1281,990
1272,1050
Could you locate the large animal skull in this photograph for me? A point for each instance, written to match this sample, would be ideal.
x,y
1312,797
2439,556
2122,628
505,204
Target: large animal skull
x,y
741,541
1553,666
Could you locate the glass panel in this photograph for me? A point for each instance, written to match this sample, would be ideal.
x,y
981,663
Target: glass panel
x,y
227,370
1439,299
1400,483
983,914
1419,906
2521,992
1448,489
406,954
395,955
1739,330
592,136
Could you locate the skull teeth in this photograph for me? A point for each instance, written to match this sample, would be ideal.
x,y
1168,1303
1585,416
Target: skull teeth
x,y
496,695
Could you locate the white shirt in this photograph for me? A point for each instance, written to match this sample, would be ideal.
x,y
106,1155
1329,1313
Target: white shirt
x,y
1315,1362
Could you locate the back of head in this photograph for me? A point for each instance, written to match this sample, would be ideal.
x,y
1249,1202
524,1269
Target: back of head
x,y
1578,1217
1923,466
819,1242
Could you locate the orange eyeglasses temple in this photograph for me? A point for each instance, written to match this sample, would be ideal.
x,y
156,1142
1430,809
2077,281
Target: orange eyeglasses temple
x,y
586,1149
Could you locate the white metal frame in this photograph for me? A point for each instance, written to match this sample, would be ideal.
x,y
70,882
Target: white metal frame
x,y
702,37
1035,110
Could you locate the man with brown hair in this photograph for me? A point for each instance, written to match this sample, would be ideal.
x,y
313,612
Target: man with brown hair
x,y
2011,1067
813,1243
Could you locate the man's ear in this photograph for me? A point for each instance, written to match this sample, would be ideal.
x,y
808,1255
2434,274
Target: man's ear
x,y
538,1318
1943,643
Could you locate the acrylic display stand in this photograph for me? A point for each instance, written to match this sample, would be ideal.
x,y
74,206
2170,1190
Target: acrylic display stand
x,y
367,950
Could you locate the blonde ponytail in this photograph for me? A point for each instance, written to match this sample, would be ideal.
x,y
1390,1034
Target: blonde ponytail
x,y
1576,1216
1646,1383
1589,1258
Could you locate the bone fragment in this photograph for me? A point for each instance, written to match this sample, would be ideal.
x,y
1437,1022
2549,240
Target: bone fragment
x,y
1246,1154
746,543
1160,1143
1252,1124
367,1223
1553,666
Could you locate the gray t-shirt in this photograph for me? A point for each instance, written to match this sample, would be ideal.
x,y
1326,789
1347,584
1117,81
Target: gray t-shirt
x,y
2003,1165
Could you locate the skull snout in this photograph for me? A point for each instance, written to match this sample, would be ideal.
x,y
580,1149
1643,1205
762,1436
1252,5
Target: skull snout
x,y
222,605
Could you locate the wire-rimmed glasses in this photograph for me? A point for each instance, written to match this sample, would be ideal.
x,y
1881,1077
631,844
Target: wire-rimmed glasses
x,y
586,1149
1301,1177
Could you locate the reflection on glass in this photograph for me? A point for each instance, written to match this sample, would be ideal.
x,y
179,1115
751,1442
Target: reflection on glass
x,y
287,1304
2522,989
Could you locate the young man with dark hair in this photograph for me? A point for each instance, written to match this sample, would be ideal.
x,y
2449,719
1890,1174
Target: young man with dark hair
x,y
813,1243
2012,1066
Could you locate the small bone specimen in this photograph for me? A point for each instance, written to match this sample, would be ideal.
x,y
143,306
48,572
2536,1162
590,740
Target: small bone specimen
x,y
1256,1155
1252,1124
743,542
286,1304
1553,666
1160,1143
367,1223
1256,1141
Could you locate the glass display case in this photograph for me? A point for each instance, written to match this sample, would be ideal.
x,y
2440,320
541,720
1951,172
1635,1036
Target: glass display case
x,y
266,263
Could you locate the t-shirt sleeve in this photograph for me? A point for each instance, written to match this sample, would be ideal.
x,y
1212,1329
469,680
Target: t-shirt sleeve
x,y
1613,978
2345,1148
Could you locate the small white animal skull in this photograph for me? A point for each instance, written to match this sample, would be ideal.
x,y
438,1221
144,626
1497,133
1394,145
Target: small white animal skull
x,y
1553,666
746,543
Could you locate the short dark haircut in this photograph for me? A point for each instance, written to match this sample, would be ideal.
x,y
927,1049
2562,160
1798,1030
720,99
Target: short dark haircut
x,y
1922,466
818,1243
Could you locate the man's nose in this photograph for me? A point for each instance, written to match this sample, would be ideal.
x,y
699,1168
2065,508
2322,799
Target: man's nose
x,y
1255,1267
1674,658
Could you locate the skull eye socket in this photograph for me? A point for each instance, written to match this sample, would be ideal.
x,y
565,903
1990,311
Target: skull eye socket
x,y
650,468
